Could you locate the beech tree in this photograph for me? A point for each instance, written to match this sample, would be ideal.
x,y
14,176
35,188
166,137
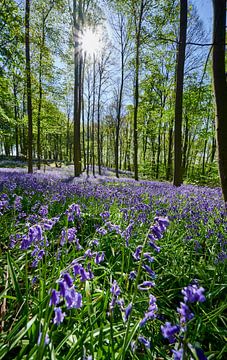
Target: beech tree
x,y
177,179
220,88
28,76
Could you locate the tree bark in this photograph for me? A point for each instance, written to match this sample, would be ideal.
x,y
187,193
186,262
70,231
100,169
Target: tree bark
x,y
76,113
220,89
136,92
28,76
178,175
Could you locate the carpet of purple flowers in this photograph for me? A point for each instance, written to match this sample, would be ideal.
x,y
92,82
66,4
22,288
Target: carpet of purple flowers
x,y
111,269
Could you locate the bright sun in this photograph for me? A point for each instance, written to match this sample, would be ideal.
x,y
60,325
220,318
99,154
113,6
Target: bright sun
x,y
91,42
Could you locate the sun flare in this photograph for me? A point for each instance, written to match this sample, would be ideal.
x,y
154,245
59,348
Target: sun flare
x,y
91,42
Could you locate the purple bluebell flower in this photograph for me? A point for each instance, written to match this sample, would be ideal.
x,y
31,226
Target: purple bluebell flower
x,y
101,231
178,354
146,285
99,257
41,254
147,256
71,234
149,271
88,253
59,316
132,275
137,253
63,287
144,341
193,294
169,331
48,224
63,237
115,290
84,275
73,299
156,231
68,280
127,312
76,268
55,298
95,242
43,211
17,203
35,263
152,310
121,303
185,313
105,215
91,275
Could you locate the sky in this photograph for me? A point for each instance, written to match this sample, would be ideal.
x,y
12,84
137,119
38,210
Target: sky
x,y
205,11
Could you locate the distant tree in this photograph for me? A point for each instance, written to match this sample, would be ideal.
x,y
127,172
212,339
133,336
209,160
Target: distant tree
x,y
28,76
220,88
177,179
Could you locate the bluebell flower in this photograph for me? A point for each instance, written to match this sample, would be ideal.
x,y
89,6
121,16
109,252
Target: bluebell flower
x,y
63,237
59,316
193,294
132,275
137,253
84,275
105,215
63,287
144,341
147,256
55,298
169,331
71,234
68,280
76,268
149,271
185,313
115,290
146,285
127,312
73,299
178,354
99,257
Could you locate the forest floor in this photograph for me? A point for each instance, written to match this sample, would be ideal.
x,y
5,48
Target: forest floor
x,y
104,268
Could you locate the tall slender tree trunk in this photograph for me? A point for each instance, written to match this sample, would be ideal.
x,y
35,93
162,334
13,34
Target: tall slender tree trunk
x,y
40,95
220,88
76,113
28,76
98,121
178,175
88,127
93,118
16,117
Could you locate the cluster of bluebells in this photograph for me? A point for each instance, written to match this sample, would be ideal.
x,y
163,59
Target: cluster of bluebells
x,y
72,211
192,294
155,233
115,291
70,235
4,203
67,292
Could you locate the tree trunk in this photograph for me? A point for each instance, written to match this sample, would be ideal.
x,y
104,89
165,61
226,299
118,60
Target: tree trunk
x,y
178,176
136,91
28,76
16,116
220,89
93,118
76,113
